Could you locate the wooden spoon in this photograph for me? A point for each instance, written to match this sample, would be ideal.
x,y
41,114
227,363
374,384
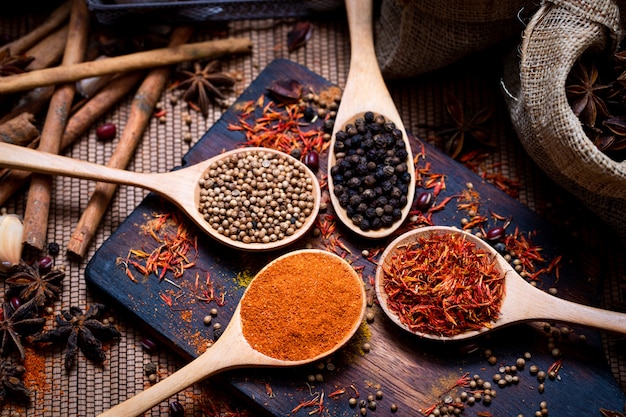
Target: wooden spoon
x,y
522,302
366,91
180,186
232,350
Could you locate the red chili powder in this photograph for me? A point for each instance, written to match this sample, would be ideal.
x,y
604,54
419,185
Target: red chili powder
x,y
301,306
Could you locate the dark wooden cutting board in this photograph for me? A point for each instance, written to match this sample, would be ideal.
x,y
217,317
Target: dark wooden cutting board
x,y
410,372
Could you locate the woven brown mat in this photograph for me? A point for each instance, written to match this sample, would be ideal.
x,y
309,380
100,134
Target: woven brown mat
x,y
420,101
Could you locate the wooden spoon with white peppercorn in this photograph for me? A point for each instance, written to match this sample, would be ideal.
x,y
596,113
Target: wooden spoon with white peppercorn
x,y
365,92
181,187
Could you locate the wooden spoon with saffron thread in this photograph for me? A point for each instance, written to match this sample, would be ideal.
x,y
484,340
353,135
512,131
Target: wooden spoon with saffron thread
x,y
232,350
522,302
366,91
180,186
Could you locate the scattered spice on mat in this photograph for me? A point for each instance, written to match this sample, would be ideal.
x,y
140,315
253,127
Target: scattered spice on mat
x,y
80,330
17,323
443,285
301,306
39,281
36,375
465,127
12,386
204,85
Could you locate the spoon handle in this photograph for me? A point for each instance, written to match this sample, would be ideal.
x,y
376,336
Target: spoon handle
x,y
19,157
574,313
543,306
210,362
365,88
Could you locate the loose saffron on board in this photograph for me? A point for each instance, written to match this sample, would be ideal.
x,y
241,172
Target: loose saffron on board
x,y
301,306
443,285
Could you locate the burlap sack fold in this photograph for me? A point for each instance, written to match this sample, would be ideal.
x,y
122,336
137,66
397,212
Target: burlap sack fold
x,y
418,36
557,35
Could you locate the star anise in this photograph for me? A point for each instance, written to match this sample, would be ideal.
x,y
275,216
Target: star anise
x,y
82,331
584,93
12,383
13,64
465,126
27,282
15,324
204,85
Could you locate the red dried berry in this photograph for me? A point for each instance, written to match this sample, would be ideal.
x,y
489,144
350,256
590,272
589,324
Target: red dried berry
x,y
424,202
495,233
148,344
106,131
312,160
15,302
45,264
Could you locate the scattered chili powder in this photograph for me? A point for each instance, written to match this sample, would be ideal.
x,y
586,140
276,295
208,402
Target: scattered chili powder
x,y
442,284
35,378
301,306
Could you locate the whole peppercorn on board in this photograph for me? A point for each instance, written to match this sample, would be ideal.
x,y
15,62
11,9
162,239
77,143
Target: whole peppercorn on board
x,y
396,369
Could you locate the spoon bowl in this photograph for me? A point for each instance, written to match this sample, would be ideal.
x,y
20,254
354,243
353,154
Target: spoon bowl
x,y
365,91
232,350
522,302
181,187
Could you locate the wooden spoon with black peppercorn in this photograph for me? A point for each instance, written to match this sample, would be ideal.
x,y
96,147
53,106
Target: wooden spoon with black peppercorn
x,y
181,187
356,196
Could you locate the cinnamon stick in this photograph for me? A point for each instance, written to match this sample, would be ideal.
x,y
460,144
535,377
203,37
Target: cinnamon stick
x,y
20,130
47,52
77,125
140,114
57,17
130,62
38,202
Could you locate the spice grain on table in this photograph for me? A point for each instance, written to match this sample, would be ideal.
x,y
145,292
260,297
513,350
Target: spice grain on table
x,y
295,116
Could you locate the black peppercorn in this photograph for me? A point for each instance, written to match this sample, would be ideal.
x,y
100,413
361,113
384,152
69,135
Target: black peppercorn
x,y
309,114
53,248
355,200
365,225
371,165
357,219
329,125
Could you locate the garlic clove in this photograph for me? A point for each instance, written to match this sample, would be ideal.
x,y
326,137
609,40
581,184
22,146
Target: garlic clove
x,y
11,229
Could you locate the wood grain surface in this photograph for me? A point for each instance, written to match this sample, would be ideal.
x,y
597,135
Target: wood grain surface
x,y
410,372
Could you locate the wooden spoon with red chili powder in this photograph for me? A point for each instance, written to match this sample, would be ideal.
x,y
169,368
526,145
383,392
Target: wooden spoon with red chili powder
x,y
299,308
446,284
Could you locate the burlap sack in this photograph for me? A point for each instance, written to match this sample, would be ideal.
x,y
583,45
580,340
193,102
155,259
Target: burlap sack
x,y
417,36
557,35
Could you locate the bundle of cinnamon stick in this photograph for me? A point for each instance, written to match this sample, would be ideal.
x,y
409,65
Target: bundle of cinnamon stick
x,y
50,83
